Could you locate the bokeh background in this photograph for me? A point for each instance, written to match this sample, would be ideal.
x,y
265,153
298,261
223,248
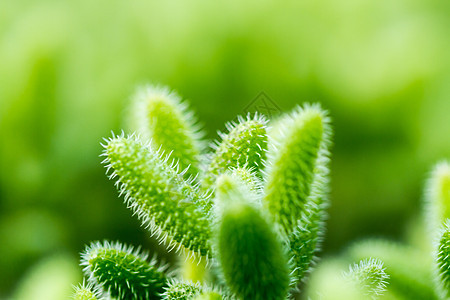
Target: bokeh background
x,y
68,68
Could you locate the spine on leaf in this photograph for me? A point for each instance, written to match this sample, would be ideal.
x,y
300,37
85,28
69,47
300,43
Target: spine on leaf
x,y
251,257
244,145
438,197
163,200
160,116
122,272
369,276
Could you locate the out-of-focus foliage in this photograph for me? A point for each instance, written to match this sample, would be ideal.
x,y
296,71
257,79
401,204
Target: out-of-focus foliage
x,y
50,278
67,67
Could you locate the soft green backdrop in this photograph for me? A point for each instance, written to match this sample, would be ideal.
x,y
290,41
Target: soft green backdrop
x,y
67,69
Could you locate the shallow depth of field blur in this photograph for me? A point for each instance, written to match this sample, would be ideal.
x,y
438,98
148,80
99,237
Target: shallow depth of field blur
x,y
68,68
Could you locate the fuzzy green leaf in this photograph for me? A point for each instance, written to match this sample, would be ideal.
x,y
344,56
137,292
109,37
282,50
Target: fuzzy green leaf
x,y
160,116
177,290
297,185
304,242
123,272
169,205
251,257
185,290
306,239
370,276
87,291
297,151
244,145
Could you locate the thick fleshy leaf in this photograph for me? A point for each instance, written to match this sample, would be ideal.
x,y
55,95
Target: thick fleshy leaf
x,y
244,145
250,254
157,193
160,116
122,272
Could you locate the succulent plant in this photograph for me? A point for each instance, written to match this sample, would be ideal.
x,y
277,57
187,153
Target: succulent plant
x,y
252,208
246,217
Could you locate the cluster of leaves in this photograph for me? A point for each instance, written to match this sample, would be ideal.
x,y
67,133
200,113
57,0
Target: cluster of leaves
x,y
248,215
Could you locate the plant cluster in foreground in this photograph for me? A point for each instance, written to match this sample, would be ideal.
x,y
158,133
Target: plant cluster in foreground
x,y
246,216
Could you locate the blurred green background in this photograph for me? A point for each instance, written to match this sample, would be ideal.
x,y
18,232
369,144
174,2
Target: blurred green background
x,y
68,68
